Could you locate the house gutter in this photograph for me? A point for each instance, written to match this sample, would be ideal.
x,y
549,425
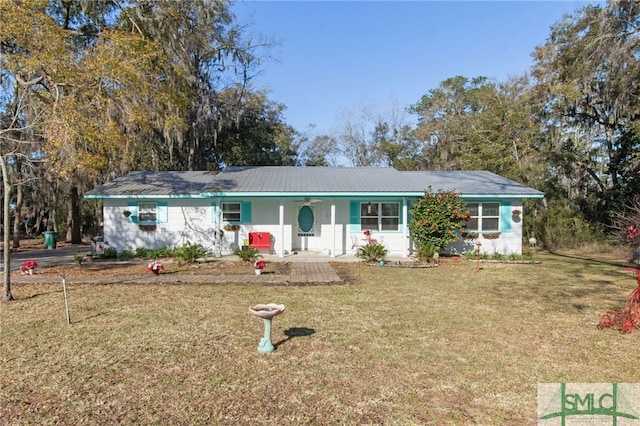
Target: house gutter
x,y
209,195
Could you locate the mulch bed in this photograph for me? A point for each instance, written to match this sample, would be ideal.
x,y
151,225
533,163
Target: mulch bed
x,y
102,268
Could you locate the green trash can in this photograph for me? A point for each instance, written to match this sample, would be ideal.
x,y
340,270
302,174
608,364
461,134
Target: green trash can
x,y
50,238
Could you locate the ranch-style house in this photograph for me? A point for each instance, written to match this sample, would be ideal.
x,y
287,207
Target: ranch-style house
x,y
283,210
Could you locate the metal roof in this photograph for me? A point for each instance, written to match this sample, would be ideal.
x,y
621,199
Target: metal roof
x,y
154,183
471,183
328,181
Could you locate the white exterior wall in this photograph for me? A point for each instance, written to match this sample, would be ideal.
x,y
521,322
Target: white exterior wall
x,y
509,242
194,220
187,220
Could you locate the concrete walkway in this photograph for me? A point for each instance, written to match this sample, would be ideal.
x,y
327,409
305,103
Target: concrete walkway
x,y
316,272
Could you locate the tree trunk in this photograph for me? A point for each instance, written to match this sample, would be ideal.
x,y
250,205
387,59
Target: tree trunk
x,y
51,221
76,217
17,218
7,296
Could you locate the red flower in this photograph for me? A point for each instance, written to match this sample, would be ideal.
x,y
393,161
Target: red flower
x,y
155,267
367,232
260,264
29,264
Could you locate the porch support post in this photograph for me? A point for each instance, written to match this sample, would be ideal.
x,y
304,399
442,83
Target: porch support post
x,y
405,226
218,226
281,214
333,226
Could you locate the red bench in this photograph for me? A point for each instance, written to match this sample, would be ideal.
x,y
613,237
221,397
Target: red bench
x,y
260,241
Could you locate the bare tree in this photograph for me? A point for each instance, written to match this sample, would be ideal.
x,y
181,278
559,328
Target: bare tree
x,y
319,150
355,137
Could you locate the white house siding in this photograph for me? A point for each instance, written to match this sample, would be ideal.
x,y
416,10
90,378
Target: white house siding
x,y
510,239
186,220
195,220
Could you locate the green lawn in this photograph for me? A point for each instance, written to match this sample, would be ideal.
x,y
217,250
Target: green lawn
x,y
436,346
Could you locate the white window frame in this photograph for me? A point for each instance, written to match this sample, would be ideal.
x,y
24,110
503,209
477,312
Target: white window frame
x,y
229,215
147,213
377,216
481,218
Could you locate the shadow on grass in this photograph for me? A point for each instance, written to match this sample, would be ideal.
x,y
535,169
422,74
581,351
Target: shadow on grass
x,y
33,296
591,259
295,332
75,320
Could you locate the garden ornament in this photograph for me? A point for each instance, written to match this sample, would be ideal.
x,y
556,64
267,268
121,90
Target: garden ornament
x,y
266,312
629,318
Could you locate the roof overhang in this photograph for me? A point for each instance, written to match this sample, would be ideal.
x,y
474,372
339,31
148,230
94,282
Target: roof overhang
x,y
208,195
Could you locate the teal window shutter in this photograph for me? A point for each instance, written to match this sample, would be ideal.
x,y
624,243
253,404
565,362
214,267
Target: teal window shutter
x,y
162,213
133,208
245,212
214,213
354,216
505,217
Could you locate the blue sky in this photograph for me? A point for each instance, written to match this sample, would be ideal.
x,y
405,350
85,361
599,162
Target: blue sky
x,y
336,56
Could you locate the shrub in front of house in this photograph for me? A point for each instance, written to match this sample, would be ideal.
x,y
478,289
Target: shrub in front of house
x,y
110,253
436,219
497,256
141,252
126,255
372,252
160,253
426,251
189,252
247,255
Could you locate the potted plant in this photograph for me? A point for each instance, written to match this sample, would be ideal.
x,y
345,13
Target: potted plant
x,y
259,265
28,267
155,267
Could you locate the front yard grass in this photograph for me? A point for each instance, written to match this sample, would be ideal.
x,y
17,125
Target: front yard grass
x,y
398,346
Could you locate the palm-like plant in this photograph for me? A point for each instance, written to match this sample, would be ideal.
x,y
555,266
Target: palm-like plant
x,y
372,252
